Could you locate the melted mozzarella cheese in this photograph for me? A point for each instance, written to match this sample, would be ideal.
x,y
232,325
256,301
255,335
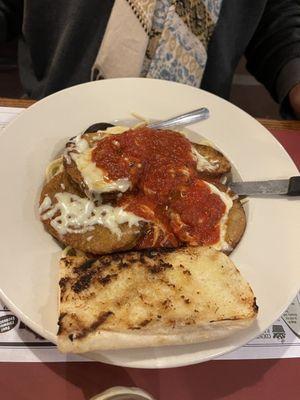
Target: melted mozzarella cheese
x,y
77,144
80,144
46,204
202,163
93,176
54,168
227,200
73,214
79,151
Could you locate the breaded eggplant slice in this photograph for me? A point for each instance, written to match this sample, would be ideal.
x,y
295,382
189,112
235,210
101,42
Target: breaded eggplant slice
x,y
74,173
236,222
210,163
217,164
234,226
70,165
100,240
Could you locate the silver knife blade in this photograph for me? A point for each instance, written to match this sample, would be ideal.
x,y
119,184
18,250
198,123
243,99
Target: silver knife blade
x,y
260,187
292,316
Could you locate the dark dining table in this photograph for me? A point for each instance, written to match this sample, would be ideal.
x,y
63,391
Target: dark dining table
x,y
273,379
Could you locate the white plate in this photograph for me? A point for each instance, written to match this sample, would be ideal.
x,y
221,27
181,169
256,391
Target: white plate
x,y
268,255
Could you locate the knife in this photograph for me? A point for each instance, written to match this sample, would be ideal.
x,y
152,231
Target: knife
x,y
292,316
288,187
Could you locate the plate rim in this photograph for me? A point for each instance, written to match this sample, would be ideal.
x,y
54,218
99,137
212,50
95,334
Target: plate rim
x,y
39,329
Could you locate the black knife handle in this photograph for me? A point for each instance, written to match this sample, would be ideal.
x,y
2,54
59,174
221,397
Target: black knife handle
x,y
294,186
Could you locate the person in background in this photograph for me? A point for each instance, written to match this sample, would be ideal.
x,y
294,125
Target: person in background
x,y
197,42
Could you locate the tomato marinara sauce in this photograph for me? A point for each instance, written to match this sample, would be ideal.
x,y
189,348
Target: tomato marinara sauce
x,y
166,188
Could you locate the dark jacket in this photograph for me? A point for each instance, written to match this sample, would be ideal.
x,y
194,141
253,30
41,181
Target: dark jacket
x,y
59,41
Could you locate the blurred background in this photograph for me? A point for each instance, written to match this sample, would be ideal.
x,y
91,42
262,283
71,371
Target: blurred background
x,y
247,93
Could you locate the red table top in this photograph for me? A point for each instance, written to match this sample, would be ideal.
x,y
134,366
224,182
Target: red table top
x,y
245,379
230,380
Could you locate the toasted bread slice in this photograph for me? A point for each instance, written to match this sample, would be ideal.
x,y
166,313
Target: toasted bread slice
x,y
141,299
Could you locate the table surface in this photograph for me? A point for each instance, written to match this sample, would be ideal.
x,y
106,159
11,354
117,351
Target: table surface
x,y
231,380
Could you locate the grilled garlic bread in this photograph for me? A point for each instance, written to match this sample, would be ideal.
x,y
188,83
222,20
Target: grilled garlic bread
x,y
151,298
